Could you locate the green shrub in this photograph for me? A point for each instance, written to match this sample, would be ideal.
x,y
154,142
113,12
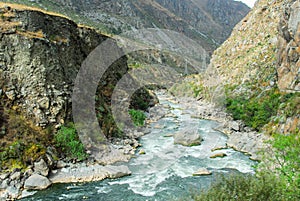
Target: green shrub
x,y
138,117
286,159
255,111
278,178
68,141
240,187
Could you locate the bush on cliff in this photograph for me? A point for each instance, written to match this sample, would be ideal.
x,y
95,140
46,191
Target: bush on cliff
x,y
256,111
68,142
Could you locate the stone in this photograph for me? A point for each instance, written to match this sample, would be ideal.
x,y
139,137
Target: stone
x,y
15,176
26,193
187,138
44,103
41,168
218,155
142,152
4,184
218,148
81,173
13,192
37,182
4,176
11,95
234,126
61,164
50,160
28,172
202,172
117,171
4,195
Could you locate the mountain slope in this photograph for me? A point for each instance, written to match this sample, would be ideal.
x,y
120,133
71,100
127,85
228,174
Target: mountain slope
x,y
258,68
207,22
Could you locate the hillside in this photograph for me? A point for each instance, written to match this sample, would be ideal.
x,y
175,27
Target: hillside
x,y
255,73
207,22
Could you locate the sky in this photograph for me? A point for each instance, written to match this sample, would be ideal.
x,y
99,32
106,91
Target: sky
x,y
250,3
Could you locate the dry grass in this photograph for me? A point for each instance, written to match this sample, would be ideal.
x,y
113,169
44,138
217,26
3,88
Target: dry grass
x,y
6,25
23,7
30,34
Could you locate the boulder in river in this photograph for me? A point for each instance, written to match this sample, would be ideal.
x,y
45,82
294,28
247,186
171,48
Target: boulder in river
x,y
84,173
202,172
142,152
218,155
114,172
187,138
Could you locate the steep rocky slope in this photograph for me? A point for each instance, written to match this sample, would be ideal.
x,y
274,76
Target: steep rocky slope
x,y
40,56
257,68
209,22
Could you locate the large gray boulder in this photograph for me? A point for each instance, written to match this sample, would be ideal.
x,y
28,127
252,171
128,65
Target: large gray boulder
x,y
117,171
37,182
41,168
84,173
187,138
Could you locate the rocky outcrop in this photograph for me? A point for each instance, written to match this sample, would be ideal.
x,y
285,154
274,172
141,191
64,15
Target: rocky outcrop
x,y
40,56
261,55
289,48
252,60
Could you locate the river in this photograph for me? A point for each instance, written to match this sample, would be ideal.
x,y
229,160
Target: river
x,y
165,171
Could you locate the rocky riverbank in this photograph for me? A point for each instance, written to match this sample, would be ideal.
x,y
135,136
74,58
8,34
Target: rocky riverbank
x,y
19,184
240,137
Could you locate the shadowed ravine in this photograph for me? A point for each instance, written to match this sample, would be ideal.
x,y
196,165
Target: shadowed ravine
x,y
165,171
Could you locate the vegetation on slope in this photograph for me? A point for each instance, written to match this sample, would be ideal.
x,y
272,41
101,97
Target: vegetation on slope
x,y
260,110
246,68
52,8
277,180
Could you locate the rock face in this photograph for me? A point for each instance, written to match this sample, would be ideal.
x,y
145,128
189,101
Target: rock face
x,y
40,56
37,182
187,138
289,48
267,59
